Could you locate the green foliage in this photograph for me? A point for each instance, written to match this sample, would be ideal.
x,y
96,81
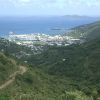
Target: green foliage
x,y
4,97
7,67
76,95
58,73
80,67
89,31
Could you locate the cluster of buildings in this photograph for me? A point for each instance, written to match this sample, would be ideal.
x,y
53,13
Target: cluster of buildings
x,y
41,39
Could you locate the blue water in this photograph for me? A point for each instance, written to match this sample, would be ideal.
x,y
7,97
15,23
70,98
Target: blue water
x,y
47,25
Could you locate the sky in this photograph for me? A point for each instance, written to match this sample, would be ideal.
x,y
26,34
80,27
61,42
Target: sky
x,y
49,7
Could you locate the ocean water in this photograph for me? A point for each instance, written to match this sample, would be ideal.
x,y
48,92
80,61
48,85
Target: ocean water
x,y
46,25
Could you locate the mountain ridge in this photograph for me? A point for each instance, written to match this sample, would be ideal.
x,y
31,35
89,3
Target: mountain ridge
x,y
89,31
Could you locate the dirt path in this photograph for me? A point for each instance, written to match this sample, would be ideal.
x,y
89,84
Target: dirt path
x,y
21,71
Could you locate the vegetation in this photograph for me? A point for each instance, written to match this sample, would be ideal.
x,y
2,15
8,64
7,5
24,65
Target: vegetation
x,y
89,31
7,67
58,73
11,48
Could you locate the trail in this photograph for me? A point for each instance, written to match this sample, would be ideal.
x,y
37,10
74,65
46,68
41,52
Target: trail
x,y
21,71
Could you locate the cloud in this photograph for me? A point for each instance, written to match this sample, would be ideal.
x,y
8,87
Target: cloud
x,y
50,6
56,3
20,2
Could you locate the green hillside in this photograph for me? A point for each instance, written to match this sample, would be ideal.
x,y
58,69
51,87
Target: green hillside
x,y
89,31
12,48
58,73
72,68
61,73
7,67
81,61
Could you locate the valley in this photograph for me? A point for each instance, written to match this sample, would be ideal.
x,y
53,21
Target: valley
x,y
53,72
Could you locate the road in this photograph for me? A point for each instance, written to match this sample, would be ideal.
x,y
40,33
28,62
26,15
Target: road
x,y
21,71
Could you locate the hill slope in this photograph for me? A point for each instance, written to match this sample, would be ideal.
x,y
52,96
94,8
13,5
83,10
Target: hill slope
x,y
81,61
58,73
89,31
7,67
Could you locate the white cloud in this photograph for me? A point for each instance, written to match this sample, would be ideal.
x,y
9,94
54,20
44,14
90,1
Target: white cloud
x,y
50,6
56,3
20,2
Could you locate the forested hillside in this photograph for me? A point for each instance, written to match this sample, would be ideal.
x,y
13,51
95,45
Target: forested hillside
x,y
58,73
89,31
61,73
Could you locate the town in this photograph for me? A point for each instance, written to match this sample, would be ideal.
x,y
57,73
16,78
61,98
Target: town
x,y
42,39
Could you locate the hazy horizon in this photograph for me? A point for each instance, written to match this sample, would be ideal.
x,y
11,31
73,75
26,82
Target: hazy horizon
x,y
48,16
